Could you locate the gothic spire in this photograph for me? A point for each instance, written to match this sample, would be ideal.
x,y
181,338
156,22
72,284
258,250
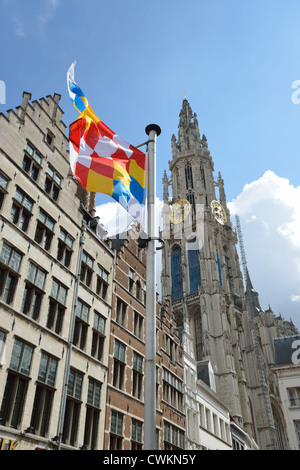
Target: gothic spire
x,y
188,129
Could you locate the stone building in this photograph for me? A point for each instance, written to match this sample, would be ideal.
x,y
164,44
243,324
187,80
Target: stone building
x,y
202,280
287,370
45,220
124,428
207,416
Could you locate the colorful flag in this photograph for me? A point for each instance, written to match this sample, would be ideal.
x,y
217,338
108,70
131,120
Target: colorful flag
x,y
101,161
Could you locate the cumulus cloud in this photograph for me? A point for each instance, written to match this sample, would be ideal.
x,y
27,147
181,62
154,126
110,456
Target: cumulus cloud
x,y
47,11
269,211
116,220
22,22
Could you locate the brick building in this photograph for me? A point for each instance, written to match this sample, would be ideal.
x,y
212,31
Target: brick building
x,y
124,427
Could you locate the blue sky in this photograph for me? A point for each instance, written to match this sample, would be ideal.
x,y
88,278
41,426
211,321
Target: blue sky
x,y
236,61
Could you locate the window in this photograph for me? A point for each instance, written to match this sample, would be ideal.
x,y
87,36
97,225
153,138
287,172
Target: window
x,y
98,336
229,273
16,384
81,324
189,176
86,270
131,280
137,376
92,414
294,396
44,230
138,290
208,419
171,349
202,176
10,262
21,210
173,437
237,444
191,198
136,435
194,270
49,138
119,365
33,292
32,162
2,345
121,312
52,183
215,425
71,422
44,395
172,390
219,269
138,325
102,282
3,188
116,431
64,248
57,306
176,272
297,430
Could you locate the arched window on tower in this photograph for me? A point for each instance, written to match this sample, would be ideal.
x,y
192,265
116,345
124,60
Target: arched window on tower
x,y
176,272
191,198
189,176
202,175
194,270
219,269
279,430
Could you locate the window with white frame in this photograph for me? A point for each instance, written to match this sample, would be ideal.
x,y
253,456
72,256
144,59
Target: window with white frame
x,y
34,291
10,262
119,365
21,210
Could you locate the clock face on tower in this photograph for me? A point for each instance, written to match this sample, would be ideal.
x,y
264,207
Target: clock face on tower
x,y
180,211
218,212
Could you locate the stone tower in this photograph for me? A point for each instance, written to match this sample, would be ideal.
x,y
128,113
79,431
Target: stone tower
x,y
201,278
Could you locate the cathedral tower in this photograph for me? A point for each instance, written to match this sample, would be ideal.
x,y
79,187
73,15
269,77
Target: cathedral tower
x,y
201,274
202,280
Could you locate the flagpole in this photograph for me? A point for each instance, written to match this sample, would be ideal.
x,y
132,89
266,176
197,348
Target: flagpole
x,y
150,330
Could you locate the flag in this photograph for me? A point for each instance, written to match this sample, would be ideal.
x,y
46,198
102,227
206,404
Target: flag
x,y
103,162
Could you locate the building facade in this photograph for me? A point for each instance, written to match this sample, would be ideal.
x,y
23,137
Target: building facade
x,y
202,280
46,221
124,428
207,417
287,370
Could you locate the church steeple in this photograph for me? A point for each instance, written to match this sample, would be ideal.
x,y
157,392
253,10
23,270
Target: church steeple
x,y
188,131
201,276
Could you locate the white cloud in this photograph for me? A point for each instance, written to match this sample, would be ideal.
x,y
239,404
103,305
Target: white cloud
x,y
47,11
18,26
116,220
269,211
24,23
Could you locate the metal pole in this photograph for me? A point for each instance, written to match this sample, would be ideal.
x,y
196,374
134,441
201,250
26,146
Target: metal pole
x,y
150,331
68,362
